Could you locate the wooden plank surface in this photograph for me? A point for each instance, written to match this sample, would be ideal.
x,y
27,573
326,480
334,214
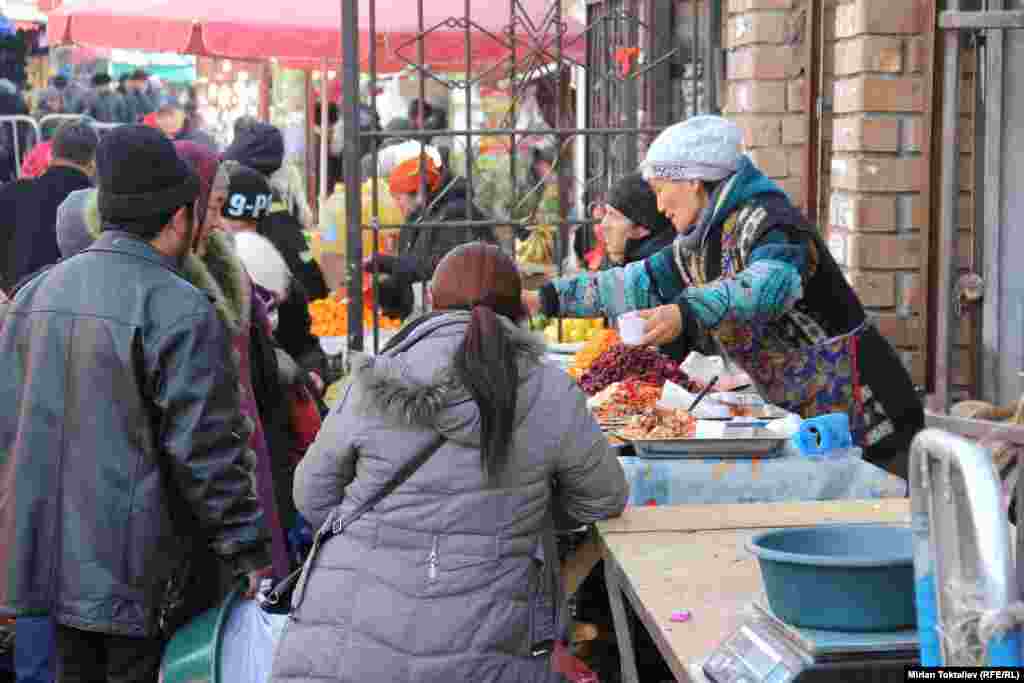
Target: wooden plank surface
x,y
708,571
689,518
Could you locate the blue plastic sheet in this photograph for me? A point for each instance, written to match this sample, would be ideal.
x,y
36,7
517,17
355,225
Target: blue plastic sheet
x,y
766,480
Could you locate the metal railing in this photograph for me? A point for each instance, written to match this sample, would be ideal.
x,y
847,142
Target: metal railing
x,y
26,132
963,560
58,119
19,123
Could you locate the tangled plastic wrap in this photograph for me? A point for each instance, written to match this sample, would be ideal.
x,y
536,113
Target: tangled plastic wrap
x,y
621,362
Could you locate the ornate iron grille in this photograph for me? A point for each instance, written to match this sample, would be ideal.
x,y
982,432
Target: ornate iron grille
x,y
623,82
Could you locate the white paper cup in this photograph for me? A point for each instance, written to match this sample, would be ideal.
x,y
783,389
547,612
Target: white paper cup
x,y
332,346
631,329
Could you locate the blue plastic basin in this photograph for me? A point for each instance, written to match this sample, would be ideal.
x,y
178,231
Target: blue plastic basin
x,y
850,577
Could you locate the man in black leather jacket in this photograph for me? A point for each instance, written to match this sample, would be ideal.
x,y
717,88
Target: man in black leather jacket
x,y
120,428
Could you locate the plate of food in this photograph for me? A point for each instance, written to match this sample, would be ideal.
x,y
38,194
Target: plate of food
x,y
618,403
664,433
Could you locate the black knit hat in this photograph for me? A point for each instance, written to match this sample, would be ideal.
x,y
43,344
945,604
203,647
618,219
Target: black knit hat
x,y
634,198
140,175
100,79
249,195
259,146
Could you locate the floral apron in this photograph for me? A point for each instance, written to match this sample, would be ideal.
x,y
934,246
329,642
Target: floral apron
x,y
791,360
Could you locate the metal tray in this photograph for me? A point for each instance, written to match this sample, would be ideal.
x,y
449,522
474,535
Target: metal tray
x,y
763,444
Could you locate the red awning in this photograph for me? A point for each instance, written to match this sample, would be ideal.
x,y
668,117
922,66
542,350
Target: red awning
x,y
310,31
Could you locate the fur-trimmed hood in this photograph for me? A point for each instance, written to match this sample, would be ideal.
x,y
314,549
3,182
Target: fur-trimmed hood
x,y
414,383
219,272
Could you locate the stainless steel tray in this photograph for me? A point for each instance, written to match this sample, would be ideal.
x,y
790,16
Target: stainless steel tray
x,y
763,444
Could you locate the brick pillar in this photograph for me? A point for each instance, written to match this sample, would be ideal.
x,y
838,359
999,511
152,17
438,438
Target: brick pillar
x,y
876,214
764,85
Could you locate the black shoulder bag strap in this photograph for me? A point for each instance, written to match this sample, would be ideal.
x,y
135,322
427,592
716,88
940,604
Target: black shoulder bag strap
x,y
296,581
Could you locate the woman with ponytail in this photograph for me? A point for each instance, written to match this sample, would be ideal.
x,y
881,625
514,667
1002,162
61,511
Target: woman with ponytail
x,y
453,576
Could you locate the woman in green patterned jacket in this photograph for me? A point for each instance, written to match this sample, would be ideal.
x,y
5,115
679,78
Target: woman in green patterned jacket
x,y
747,269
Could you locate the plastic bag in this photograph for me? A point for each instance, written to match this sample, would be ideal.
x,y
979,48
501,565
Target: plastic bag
x,y
702,369
249,642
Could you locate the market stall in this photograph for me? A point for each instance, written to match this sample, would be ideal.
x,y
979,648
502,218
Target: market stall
x,y
687,574
310,36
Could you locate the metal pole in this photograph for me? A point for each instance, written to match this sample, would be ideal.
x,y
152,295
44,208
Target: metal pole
x,y
514,93
631,85
374,184
694,55
990,374
811,114
324,124
307,136
946,312
353,197
468,51
713,55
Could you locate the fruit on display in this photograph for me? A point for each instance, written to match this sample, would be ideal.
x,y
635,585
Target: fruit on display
x,y
538,247
574,330
330,317
592,350
622,362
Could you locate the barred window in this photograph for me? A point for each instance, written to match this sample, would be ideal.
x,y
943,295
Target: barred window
x,y
651,63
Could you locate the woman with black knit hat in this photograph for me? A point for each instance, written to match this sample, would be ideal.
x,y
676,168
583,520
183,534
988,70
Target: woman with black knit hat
x,y
633,227
633,230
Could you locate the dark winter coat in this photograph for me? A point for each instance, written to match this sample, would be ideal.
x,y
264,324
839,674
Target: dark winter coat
x,y
106,106
285,232
29,208
122,437
420,249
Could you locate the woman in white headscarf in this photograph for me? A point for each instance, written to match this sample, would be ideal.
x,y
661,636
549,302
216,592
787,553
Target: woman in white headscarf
x,y
748,269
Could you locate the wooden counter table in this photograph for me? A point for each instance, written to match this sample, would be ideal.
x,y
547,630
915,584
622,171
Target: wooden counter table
x,y
664,559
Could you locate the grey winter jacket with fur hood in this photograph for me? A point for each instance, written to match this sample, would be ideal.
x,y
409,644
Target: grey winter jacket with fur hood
x,y
442,581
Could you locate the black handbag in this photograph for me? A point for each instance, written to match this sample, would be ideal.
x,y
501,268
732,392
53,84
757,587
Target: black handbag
x,y
281,599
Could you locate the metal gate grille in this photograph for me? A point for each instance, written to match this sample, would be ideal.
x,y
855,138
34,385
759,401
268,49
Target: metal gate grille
x,y
624,78
672,77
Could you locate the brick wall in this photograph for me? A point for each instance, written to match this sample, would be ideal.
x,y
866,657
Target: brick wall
x,y
764,91
870,201
876,213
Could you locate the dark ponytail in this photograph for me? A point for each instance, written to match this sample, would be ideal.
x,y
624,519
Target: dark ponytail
x,y
486,364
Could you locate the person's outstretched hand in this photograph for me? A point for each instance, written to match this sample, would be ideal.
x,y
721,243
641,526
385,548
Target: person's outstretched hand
x,y
664,325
